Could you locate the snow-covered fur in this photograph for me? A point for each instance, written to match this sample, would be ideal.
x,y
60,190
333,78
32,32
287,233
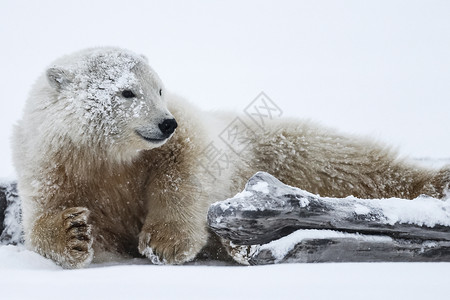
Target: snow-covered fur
x,y
100,174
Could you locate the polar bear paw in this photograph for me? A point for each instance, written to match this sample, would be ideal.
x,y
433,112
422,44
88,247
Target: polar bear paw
x,y
167,250
76,236
147,251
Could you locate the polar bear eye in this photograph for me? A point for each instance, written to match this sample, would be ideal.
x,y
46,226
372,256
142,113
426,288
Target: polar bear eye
x,y
128,94
160,92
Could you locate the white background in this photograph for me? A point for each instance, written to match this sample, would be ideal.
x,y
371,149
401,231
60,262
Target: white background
x,y
377,68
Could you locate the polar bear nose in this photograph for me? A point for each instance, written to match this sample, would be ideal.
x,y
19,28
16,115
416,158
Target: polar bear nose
x,y
168,126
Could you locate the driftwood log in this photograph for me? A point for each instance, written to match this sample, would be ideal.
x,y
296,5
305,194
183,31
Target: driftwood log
x,y
275,218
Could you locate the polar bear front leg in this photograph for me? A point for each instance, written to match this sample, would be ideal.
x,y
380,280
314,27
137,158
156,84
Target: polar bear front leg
x,y
174,231
64,236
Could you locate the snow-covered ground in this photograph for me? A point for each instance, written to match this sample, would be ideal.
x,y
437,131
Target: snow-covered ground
x,y
25,275
378,68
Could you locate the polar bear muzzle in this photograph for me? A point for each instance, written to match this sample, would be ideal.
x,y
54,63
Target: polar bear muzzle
x,y
166,127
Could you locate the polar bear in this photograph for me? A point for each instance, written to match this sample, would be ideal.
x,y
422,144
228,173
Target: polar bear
x,y
109,163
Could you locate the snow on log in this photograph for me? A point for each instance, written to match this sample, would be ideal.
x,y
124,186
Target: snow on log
x,y
10,214
293,225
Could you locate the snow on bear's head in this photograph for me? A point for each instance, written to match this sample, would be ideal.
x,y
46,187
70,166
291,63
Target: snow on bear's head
x,y
111,98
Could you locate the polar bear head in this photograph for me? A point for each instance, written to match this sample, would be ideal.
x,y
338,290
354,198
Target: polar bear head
x,y
111,99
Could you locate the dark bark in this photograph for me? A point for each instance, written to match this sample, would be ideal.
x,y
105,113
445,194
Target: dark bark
x,y
3,206
357,250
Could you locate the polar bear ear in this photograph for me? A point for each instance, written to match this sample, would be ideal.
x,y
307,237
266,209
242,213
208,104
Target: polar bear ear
x,y
144,57
58,77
